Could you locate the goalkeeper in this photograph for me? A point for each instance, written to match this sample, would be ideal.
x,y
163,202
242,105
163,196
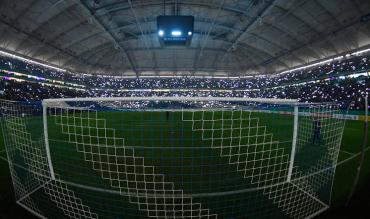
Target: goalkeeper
x,y
167,115
316,130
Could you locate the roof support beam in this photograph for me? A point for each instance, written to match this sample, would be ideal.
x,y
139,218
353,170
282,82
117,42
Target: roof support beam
x,y
95,47
311,28
59,35
241,44
122,5
108,46
281,47
100,24
274,24
292,36
144,37
323,6
105,56
101,56
48,16
252,56
39,40
246,29
200,52
317,39
94,34
13,23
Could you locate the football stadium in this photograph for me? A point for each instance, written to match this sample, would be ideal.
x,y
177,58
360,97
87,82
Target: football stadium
x,y
169,109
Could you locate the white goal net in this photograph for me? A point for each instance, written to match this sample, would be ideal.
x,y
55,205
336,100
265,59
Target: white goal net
x,y
152,157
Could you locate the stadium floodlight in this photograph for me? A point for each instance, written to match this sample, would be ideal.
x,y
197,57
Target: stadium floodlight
x,y
171,157
176,33
190,33
160,33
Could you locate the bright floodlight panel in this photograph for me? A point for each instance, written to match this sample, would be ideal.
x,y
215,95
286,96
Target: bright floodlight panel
x,y
175,30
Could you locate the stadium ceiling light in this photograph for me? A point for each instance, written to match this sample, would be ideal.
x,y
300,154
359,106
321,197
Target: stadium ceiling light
x,y
325,61
190,33
311,65
176,33
160,32
360,51
30,61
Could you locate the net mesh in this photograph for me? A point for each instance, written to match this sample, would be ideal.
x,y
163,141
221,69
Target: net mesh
x,y
172,159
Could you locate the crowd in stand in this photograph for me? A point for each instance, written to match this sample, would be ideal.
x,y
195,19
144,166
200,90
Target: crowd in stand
x,y
343,91
301,84
345,65
21,91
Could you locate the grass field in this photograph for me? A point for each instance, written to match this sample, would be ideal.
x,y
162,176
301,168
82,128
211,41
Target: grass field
x,y
184,153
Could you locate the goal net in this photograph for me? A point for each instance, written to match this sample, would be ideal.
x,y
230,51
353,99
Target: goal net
x,y
181,157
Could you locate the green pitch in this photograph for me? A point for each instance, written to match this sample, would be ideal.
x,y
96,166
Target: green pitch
x,y
182,153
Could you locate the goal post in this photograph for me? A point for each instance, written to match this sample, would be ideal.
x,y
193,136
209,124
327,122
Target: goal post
x,y
46,137
174,157
294,142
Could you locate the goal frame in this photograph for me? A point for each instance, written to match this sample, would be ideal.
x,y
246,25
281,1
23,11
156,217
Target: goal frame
x,y
293,102
285,124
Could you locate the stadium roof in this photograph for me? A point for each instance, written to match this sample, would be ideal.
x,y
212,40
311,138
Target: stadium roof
x,y
231,37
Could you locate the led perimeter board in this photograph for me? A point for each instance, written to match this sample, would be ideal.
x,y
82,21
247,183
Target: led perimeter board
x,y
175,30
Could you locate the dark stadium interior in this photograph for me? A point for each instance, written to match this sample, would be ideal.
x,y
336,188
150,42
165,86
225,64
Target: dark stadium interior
x,y
312,51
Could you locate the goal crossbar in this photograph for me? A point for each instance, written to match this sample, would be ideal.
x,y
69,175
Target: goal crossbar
x,y
179,99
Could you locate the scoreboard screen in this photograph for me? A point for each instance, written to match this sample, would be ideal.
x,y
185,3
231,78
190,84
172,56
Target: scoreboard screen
x,y
175,30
